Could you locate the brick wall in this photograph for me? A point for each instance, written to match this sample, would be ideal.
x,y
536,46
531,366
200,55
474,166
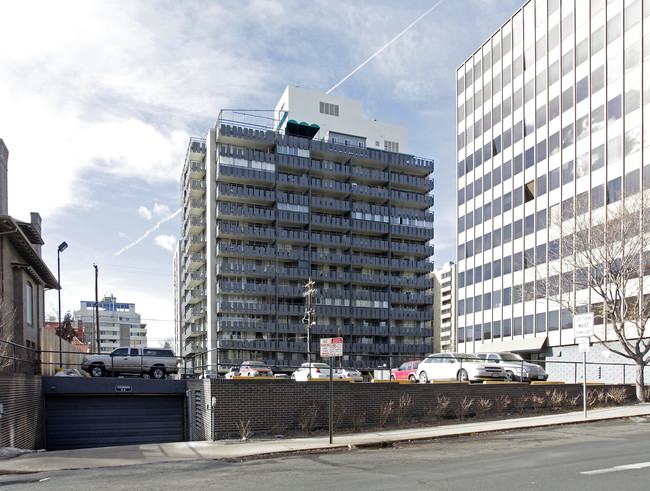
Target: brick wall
x,y
23,423
275,406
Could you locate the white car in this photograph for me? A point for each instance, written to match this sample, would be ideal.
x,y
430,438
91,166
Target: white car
x,y
517,369
318,371
458,366
350,374
232,372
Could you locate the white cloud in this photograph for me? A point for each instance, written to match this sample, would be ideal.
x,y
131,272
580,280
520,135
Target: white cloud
x,y
161,210
145,213
167,242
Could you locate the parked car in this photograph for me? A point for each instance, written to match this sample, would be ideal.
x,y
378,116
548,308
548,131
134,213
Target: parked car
x,y
255,369
232,372
209,374
350,374
318,371
458,366
147,362
186,373
515,366
406,371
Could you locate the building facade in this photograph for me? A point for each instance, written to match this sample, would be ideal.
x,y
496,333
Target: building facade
x,y
550,123
24,277
119,324
444,308
310,190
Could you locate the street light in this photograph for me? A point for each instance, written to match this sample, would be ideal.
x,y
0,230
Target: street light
x,y
62,247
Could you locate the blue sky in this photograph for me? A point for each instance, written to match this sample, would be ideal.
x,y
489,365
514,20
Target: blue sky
x,y
99,98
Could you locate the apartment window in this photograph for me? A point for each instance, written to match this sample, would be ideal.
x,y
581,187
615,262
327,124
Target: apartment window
x,y
330,109
29,301
553,320
391,146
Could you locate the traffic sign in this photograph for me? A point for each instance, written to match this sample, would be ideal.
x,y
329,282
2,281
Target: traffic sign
x,y
583,325
331,347
583,345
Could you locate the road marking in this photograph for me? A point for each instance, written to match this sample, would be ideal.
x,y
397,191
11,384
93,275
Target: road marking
x,y
617,468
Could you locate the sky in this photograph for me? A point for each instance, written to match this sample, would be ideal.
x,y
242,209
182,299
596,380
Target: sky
x,y
98,100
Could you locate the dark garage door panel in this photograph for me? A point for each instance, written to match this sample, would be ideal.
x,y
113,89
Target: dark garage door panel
x,y
101,421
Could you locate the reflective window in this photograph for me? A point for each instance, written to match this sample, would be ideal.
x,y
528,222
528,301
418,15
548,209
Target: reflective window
x,y
597,40
614,190
597,79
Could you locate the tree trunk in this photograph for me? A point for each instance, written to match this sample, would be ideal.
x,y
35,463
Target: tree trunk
x,y
640,383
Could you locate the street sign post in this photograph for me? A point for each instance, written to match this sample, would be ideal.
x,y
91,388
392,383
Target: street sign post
x,y
330,348
583,329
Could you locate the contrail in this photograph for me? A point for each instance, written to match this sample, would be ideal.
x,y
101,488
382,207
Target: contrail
x,y
385,46
146,234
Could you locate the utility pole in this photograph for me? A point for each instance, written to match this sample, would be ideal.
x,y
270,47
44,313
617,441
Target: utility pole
x,y
309,316
97,308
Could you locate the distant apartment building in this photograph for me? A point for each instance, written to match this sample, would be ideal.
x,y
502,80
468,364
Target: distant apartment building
x,y
119,324
314,190
551,114
444,308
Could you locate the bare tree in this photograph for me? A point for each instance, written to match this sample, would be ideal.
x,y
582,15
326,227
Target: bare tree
x,y
599,261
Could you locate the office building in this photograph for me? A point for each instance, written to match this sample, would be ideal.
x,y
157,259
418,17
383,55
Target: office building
x,y
444,308
119,324
550,123
310,189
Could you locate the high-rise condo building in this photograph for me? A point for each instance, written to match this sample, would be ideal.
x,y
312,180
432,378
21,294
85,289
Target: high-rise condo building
x,y
314,190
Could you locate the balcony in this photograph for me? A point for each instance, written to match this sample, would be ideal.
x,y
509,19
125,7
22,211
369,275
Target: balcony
x,y
194,224
231,231
331,222
330,239
408,265
226,249
192,313
195,260
247,194
412,183
328,167
237,269
413,281
195,206
194,278
194,242
328,204
195,295
197,187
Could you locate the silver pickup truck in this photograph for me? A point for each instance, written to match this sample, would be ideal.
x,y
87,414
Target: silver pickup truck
x,y
146,362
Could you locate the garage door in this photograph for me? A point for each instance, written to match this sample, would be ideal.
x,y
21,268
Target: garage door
x,y
86,421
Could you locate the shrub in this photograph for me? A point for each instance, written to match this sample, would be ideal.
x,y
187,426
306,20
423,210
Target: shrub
x,y
463,408
359,421
537,401
244,429
483,407
308,418
404,408
385,412
520,403
500,404
555,399
617,395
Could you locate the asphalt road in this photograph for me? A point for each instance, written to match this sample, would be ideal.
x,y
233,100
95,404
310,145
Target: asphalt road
x,y
608,455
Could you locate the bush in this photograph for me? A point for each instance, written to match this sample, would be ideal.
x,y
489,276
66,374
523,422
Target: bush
x,y
244,429
308,418
500,404
384,413
404,408
617,395
483,407
463,407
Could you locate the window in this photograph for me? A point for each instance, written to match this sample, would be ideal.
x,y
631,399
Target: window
x,y
29,303
614,111
507,233
614,190
507,329
390,146
529,324
554,179
553,320
582,89
330,109
597,197
496,268
567,172
597,79
530,224
541,186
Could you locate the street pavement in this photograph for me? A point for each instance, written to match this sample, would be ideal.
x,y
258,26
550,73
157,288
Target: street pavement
x,y
89,458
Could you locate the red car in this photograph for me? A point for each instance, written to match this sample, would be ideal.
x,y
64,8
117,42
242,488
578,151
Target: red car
x,y
254,369
406,371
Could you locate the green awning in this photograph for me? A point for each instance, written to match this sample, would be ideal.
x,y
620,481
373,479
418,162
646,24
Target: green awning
x,y
301,129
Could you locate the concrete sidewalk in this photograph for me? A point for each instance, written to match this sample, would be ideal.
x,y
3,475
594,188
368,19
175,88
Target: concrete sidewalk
x,y
185,451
